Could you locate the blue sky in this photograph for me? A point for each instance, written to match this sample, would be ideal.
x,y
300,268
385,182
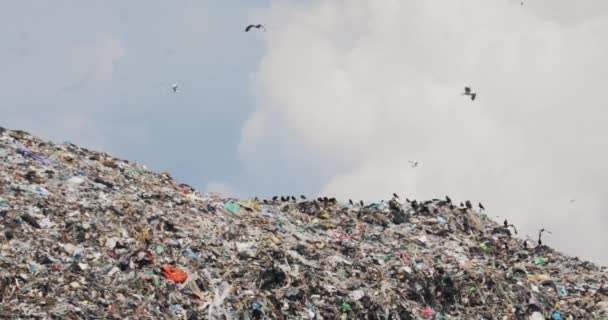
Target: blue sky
x,y
100,74
334,99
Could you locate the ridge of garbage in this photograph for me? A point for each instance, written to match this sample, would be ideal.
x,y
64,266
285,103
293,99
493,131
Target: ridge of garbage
x,y
87,236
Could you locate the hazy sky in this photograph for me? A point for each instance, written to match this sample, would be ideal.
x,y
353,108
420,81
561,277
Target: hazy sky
x,y
335,98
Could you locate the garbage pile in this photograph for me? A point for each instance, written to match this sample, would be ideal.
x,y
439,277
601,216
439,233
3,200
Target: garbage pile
x,y
85,235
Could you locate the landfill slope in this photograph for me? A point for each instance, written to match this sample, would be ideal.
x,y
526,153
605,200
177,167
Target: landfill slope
x,y
88,236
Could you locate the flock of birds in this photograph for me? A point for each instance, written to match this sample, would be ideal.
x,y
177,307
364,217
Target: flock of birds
x,y
426,207
413,203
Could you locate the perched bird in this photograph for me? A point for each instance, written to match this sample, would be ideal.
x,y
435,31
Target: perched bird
x,y
447,198
469,205
461,204
407,200
275,198
174,87
506,223
468,92
265,201
540,233
351,202
481,206
257,26
361,202
414,163
302,197
395,195
293,198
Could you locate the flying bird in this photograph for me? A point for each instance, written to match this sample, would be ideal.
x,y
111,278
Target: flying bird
x,y
414,163
468,92
257,26
175,87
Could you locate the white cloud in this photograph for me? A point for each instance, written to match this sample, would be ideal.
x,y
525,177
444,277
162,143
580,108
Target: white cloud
x,y
362,87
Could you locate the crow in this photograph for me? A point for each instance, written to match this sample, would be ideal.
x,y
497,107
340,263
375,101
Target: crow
x,y
361,202
481,206
302,197
469,205
395,195
506,223
275,198
293,198
448,199
351,202
257,26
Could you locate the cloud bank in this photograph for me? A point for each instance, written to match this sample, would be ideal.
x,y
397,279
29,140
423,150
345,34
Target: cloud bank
x,y
349,91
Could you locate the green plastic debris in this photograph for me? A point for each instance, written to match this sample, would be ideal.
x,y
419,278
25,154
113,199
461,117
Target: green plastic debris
x,y
485,248
346,307
3,204
159,249
232,207
540,261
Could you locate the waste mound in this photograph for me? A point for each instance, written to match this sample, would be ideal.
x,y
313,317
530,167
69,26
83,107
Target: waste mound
x,y
84,235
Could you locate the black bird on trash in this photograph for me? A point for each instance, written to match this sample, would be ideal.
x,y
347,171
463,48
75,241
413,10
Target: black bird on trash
x,y
395,195
447,198
275,198
469,205
468,92
302,197
481,207
257,26
351,202
540,233
293,198
361,202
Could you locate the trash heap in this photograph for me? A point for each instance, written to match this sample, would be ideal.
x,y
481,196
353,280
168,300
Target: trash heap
x,y
87,236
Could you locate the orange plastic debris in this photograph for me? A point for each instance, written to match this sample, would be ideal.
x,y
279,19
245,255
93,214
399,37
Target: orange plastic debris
x,y
174,274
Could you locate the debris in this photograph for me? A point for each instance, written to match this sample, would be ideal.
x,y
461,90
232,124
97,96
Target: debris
x,y
88,236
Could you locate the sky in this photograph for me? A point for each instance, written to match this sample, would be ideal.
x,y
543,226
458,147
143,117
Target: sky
x,y
334,99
